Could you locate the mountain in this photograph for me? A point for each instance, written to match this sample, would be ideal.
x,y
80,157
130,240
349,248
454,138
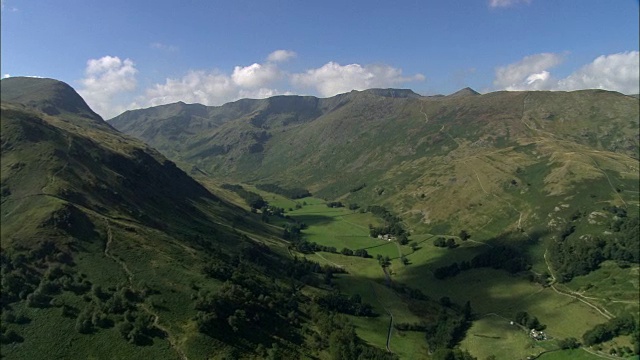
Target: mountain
x,y
465,92
463,160
109,250
50,96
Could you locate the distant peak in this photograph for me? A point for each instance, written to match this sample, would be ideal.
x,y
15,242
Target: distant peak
x,y
465,92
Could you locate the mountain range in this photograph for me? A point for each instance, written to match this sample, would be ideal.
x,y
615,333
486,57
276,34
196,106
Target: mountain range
x,y
186,231
439,161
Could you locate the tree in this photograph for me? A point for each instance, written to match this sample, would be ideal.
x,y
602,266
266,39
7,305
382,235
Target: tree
x,y
439,242
413,245
451,243
464,235
569,343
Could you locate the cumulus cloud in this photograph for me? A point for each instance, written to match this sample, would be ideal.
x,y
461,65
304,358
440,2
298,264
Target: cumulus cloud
x,y
105,79
529,73
208,88
616,72
333,78
506,3
281,55
108,81
255,75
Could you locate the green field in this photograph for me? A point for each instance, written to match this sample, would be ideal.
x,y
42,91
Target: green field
x,y
495,295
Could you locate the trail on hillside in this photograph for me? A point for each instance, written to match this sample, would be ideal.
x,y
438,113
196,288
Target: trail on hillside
x,y
426,118
327,260
125,268
613,188
519,222
604,312
388,312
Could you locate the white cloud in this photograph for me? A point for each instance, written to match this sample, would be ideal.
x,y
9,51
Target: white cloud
x,y
529,73
105,79
255,75
281,55
6,76
506,3
616,72
208,88
108,80
333,78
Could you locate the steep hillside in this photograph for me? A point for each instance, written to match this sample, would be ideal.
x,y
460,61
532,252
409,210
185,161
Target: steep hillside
x,y
110,251
50,96
463,160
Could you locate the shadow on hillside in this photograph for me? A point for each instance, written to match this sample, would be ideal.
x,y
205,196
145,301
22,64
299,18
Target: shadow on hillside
x,y
477,281
315,220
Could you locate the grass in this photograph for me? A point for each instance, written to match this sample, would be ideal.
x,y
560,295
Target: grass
x,y
493,335
610,286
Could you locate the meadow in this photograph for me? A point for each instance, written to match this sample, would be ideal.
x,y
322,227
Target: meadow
x,y
495,295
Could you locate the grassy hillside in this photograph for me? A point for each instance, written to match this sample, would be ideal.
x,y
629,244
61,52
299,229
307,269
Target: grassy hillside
x,y
553,175
112,248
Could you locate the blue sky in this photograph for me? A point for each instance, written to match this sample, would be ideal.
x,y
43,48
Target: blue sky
x,y
128,54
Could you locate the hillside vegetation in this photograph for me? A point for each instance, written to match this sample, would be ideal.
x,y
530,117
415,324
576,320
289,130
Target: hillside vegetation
x,y
110,251
376,224
550,179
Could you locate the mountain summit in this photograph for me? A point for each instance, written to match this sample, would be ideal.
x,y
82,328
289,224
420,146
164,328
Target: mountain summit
x,y
50,96
465,92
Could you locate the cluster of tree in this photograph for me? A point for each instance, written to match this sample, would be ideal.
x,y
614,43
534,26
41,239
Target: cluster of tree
x,y
304,270
574,256
255,201
9,336
569,343
452,354
441,241
383,261
359,252
240,302
342,341
447,331
530,322
392,224
335,204
137,328
600,333
357,188
500,257
38,273
292,193
352,305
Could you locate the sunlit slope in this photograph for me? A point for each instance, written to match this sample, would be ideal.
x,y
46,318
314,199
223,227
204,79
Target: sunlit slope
x,y
501,158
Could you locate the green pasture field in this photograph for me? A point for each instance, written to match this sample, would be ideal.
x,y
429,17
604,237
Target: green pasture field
x,y
495,291
406,344
604,287
494,335
577,354
495,295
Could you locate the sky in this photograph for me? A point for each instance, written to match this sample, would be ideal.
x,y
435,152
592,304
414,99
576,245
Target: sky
x,y
122,55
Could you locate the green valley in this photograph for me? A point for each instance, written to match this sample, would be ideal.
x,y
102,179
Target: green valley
x,y
376,224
